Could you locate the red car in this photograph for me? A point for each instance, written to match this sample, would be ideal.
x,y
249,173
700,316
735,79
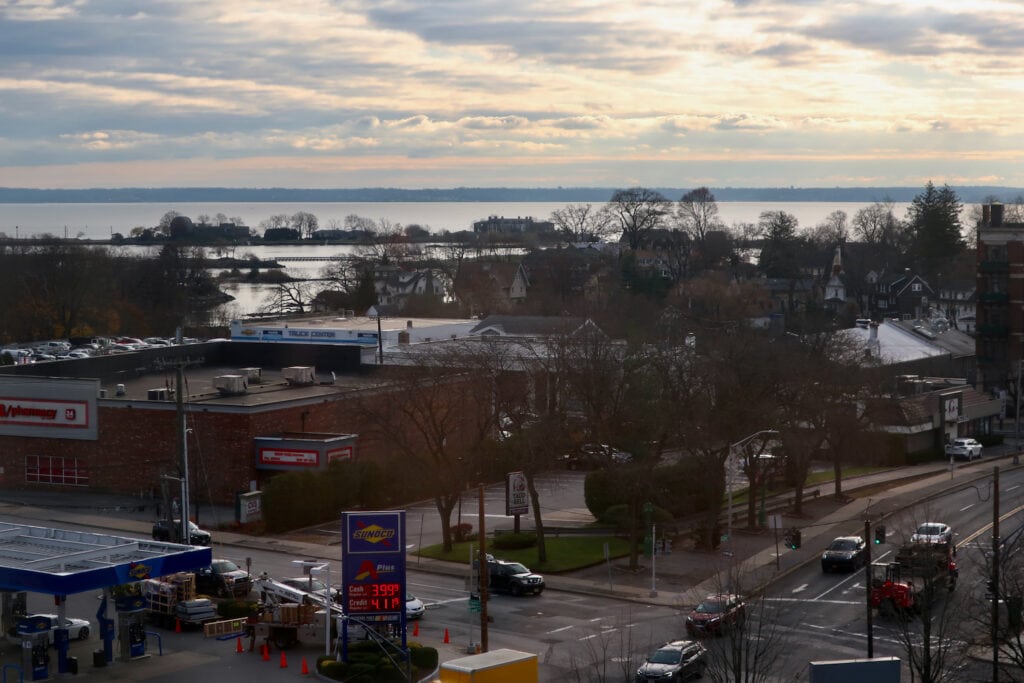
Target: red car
x,y
715,615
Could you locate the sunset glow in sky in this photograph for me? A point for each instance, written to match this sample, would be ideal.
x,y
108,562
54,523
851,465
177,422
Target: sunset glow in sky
x,y
519,93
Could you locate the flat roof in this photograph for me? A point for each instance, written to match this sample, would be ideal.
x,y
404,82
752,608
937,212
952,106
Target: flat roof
x,y
63,562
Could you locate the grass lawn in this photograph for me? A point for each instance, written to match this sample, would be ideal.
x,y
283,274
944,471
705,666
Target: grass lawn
x,y
739,496
565,553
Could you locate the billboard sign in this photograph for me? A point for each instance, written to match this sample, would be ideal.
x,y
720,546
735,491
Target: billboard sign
x,y
53,408
517,499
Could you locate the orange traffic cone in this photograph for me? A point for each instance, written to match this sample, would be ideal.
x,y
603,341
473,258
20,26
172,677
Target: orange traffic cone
x,y
446,638
284,660
416,630
305,667
266,652
177,625
238,645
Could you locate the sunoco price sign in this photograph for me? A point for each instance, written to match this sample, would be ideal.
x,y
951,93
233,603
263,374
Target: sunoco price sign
x,y
373,566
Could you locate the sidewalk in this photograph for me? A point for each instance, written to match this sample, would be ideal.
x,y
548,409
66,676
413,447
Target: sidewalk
x,y
676,579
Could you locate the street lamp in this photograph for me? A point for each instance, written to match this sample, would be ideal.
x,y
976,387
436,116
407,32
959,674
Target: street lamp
x,y
728,476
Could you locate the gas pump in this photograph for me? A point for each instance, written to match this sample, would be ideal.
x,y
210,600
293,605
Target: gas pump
x,y
106,625
131,614
35,646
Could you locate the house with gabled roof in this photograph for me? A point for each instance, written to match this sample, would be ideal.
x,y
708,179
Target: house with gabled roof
x,y
485,287
901,295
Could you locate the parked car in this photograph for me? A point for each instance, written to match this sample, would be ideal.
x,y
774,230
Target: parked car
x,y
513,577
716,614
591,456
78,629
414,607
223,578
847,553
196,536
675,661
932,532
964,449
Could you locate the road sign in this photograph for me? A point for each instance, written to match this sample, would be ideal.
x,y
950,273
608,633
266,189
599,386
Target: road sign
x,y
474,604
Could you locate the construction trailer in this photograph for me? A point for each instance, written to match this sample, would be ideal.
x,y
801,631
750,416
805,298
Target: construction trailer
x,y
496,666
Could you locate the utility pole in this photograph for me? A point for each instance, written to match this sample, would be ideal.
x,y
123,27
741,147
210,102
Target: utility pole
x,y
995,568
483,573
179,400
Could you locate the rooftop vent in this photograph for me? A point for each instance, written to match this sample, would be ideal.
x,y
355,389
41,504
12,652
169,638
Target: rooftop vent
x,y
299,375
230,385
253,375
159,394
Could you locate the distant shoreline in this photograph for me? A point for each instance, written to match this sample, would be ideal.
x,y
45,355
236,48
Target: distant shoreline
x,y
967,195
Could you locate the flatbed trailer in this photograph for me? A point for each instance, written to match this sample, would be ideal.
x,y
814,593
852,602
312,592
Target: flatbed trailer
x,y
918,568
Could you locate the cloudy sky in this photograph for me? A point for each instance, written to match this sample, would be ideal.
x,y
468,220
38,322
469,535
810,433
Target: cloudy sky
x,y
520,93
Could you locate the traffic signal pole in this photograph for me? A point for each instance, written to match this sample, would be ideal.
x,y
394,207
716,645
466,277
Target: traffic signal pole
x,y
867,591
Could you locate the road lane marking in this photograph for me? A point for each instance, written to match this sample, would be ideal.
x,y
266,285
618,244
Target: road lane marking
x,y
820,602
559,630
967,507
800,588
852,576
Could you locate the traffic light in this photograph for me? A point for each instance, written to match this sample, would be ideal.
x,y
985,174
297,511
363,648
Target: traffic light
x,y
880,534
793,539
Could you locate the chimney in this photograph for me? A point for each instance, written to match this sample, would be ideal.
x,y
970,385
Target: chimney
x,y
408,324
997,215
873,331
986,215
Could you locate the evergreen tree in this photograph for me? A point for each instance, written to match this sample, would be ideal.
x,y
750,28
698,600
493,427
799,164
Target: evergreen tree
x,y
934,222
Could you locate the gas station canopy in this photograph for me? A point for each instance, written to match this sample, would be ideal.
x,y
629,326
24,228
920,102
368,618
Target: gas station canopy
x,y
63,562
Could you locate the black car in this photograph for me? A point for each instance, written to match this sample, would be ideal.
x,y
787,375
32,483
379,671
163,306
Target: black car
x,y
675,661
196,535
846,553
223,578
591,456
514,578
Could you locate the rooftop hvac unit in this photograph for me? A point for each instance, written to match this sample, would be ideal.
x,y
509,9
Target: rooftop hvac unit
x,y
230,385
119,390
161,394
299,374
253,375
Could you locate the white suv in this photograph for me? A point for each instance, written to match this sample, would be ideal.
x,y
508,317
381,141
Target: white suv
x,y
964,449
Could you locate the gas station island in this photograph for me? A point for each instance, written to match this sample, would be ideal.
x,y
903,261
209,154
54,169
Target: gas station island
x,y
60,563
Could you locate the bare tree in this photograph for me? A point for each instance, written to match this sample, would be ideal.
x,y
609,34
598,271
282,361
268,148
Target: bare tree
x,y
289,297
697,212
583,223
752,646
306,223
638,211
830,232
165,222
878,225
278,220
930,633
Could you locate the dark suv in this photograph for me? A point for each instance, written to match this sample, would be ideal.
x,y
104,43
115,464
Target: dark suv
x,y
514,578
223,579
196,536
675,661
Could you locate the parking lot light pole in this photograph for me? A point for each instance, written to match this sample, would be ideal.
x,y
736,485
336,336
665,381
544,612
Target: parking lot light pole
x,y
728,477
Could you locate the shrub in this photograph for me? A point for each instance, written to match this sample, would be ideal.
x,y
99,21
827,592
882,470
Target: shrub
x,y
424,657
336,671
601,492
513,541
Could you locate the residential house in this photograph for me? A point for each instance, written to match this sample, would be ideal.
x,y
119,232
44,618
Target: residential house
x,y
901,295
485,287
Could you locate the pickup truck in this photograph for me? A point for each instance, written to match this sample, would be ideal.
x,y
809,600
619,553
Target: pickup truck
x,y
223,579
196,535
